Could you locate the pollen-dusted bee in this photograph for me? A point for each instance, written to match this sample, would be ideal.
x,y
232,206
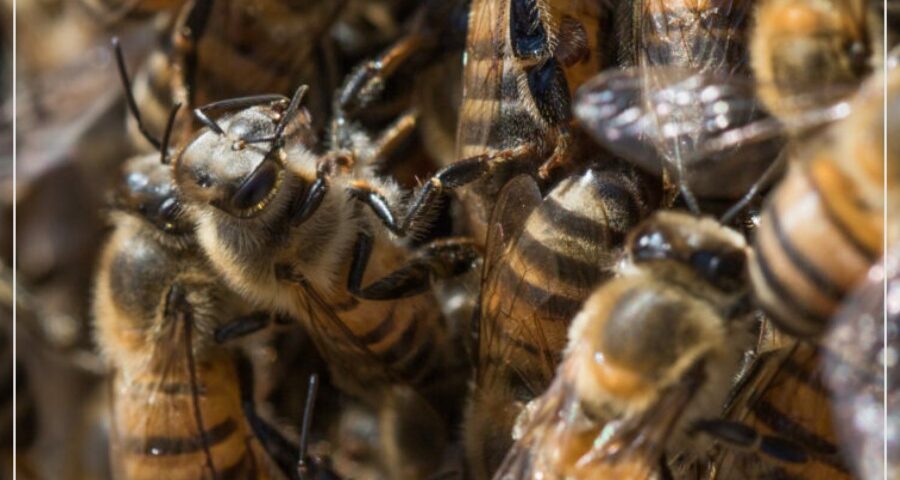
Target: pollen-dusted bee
x,y
822,228
544,257
524,59
782,402
651,352
808,53
305,235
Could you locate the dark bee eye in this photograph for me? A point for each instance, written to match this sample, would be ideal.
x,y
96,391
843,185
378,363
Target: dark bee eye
x,y
859,56
256,187
168,210
725,270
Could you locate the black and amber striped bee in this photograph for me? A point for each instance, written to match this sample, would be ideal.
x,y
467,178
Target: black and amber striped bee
x,y
652,352
544,257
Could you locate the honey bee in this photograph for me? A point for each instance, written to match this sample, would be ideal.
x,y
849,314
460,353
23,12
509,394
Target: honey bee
x,y
651,352
180,400
523,61
544,257
305,235
809,53
832,199
781,405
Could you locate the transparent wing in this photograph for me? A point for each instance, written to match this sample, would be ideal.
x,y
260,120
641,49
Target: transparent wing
x,y
855,371
516,201
709,125
482,73
706,36
344,350
783,396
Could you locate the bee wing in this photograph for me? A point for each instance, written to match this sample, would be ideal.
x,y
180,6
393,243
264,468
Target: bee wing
x,y
709,125
482,74
160,401
543,416
336,351
783,396
854,370
514,203
708,38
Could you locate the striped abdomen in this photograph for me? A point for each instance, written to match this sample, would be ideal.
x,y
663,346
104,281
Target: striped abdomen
x,y
379,343
815,243
784,396
697,34
568,245
156,434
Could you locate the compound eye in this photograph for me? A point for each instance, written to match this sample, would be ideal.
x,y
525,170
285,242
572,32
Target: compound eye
x,y
168,210
725,270
256,188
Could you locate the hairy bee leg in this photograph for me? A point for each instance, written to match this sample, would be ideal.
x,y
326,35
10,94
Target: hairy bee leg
x,y
366,82
560,155
439,259
450,177
282,451
242,326
393,136
310,201
738,435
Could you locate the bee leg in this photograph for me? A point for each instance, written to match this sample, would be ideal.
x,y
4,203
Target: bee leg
x,y
366,82
561,154
421,210
242,326
310,201
282,451
439,259
738,435
393,137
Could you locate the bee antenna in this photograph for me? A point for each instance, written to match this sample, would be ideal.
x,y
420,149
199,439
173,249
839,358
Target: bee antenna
x,y
289,114
170,124
204,119
689,199
129,96
302,467
764,180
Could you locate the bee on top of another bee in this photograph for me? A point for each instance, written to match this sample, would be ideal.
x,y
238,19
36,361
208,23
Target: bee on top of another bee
x,y
180,399
311,236
652,351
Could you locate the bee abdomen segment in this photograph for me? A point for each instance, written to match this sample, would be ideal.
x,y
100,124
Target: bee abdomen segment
x,y
805,260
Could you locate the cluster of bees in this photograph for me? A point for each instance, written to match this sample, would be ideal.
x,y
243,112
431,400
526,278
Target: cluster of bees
x,y
528,239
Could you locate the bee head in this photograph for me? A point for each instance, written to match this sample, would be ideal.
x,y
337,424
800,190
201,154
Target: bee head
x,y
239,169
714,253
799,46
148,192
